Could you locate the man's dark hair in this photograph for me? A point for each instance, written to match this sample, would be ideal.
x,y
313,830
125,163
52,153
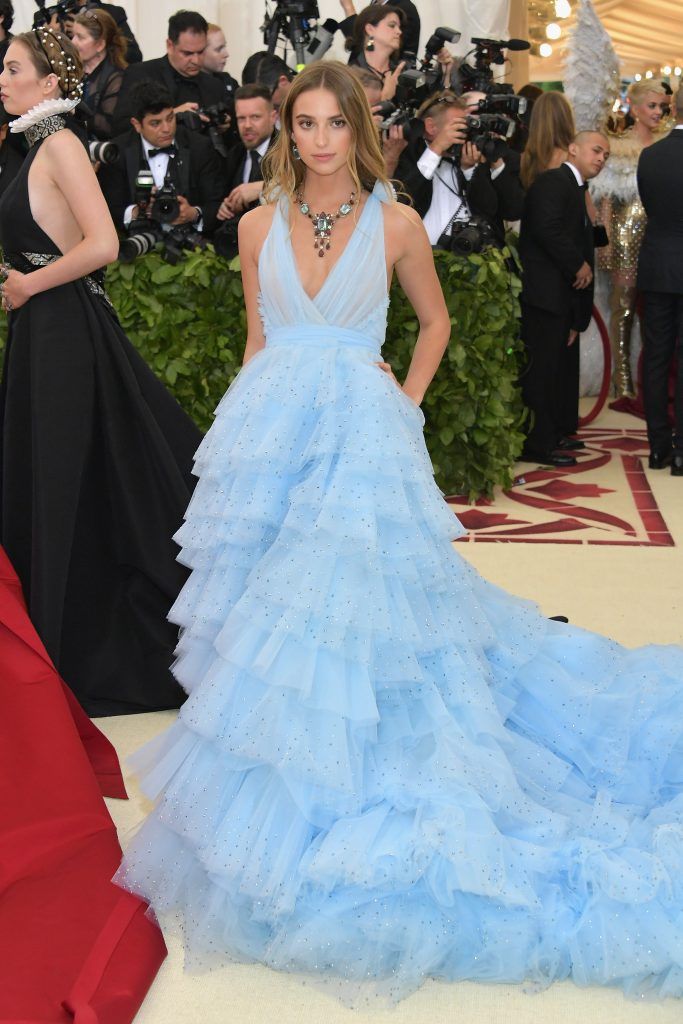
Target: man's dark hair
x,y
254,92
186,21
7,9
148,97
266,69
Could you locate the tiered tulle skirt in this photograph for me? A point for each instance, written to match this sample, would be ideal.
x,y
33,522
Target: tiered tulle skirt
x,y
388,769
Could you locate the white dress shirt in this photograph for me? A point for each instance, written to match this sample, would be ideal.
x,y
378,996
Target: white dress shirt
x,y
576,172
447,204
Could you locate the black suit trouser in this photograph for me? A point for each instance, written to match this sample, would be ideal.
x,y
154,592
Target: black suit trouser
x,y
662,335
550,381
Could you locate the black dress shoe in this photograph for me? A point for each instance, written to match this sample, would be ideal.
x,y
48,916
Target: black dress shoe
x,y
548,458
660,460
567,444
677,465
559,618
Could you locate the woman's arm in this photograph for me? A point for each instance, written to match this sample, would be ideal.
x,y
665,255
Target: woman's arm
x,y
418,278
70,169
251,233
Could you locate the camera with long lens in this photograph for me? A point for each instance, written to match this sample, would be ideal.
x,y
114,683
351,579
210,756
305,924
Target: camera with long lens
x,y
472,235
291,22
166,207
103,152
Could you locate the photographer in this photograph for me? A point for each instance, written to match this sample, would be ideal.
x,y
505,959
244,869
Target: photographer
x,y
184,159
443,172
102,50
392,140
180,71
505,169
255,116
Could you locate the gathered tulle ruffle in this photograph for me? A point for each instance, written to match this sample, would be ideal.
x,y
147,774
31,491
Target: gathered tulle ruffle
x,y
388,769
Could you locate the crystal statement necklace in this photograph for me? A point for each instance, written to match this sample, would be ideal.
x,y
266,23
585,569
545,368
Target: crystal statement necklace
x,y
324,222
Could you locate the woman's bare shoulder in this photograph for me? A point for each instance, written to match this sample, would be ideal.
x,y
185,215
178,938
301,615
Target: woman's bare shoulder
x,y
254,226
403,227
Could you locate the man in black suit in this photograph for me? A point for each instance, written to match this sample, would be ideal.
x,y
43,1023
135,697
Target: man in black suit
x,y
180,71
184,158
660,279
411,30
255,116
445,190
556,251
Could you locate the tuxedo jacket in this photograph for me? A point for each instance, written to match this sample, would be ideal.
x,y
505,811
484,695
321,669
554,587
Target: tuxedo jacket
x,y
660,173
210,89
237,154
481,196
556,238
197,171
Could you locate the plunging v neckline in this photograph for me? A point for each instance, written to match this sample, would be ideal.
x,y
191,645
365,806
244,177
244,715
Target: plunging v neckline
x,y
314,298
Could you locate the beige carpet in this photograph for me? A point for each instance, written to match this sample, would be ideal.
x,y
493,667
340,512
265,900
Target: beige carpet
x,y
631,593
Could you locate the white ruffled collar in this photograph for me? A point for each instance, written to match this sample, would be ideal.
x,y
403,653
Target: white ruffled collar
x,y
48,108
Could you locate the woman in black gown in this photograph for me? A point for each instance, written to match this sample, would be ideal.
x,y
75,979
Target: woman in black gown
x,y
96,454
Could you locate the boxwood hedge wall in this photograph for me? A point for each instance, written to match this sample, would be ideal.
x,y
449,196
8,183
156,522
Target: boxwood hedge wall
x,y
188,322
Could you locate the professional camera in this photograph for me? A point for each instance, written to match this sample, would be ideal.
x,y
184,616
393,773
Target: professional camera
x,y
152,224
64,11
217,115
103,152
225,238
489,133
472,236
412,127
291,22
146,235
419,79
478,77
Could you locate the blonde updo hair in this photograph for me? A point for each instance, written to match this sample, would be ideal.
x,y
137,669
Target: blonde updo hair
x,y
637,91
53,53
284,175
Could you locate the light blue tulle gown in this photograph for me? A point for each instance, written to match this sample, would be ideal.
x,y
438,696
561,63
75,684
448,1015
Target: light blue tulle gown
x,y
388,769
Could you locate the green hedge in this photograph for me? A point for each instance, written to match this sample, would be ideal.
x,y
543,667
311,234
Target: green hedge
x,y
188,322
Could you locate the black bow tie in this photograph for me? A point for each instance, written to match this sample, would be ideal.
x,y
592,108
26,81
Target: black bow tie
x,y
164,149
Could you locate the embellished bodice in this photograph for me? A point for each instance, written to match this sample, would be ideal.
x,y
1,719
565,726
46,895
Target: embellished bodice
x,y
354,295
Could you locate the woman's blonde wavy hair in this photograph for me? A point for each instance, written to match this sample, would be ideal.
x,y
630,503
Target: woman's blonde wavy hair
x,y
284,175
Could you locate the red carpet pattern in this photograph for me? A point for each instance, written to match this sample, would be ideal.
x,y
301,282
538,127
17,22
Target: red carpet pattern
x,y
605,499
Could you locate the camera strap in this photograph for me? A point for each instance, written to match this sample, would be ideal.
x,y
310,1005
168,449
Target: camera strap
x,y
459,193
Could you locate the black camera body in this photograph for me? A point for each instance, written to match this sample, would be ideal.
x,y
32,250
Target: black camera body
x,y
63,10
472,235
293,22
419,78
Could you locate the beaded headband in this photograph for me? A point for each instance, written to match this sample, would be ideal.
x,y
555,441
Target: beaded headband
x,y
61,63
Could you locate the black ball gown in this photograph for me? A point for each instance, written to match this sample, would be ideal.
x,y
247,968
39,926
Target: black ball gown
x,y
95,476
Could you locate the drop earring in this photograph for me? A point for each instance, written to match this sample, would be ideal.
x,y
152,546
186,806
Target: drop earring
x,y
370,45
295,151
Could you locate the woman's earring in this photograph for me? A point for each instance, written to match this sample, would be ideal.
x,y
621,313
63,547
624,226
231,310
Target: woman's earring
x,y
370,44
295,151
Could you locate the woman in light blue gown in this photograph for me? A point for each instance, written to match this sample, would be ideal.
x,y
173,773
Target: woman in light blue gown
x,y
387,769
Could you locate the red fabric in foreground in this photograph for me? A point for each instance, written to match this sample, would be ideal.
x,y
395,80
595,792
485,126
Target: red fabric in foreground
x,y
72,945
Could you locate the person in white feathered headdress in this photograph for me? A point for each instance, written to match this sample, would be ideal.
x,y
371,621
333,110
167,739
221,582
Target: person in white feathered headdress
x,y
592,84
